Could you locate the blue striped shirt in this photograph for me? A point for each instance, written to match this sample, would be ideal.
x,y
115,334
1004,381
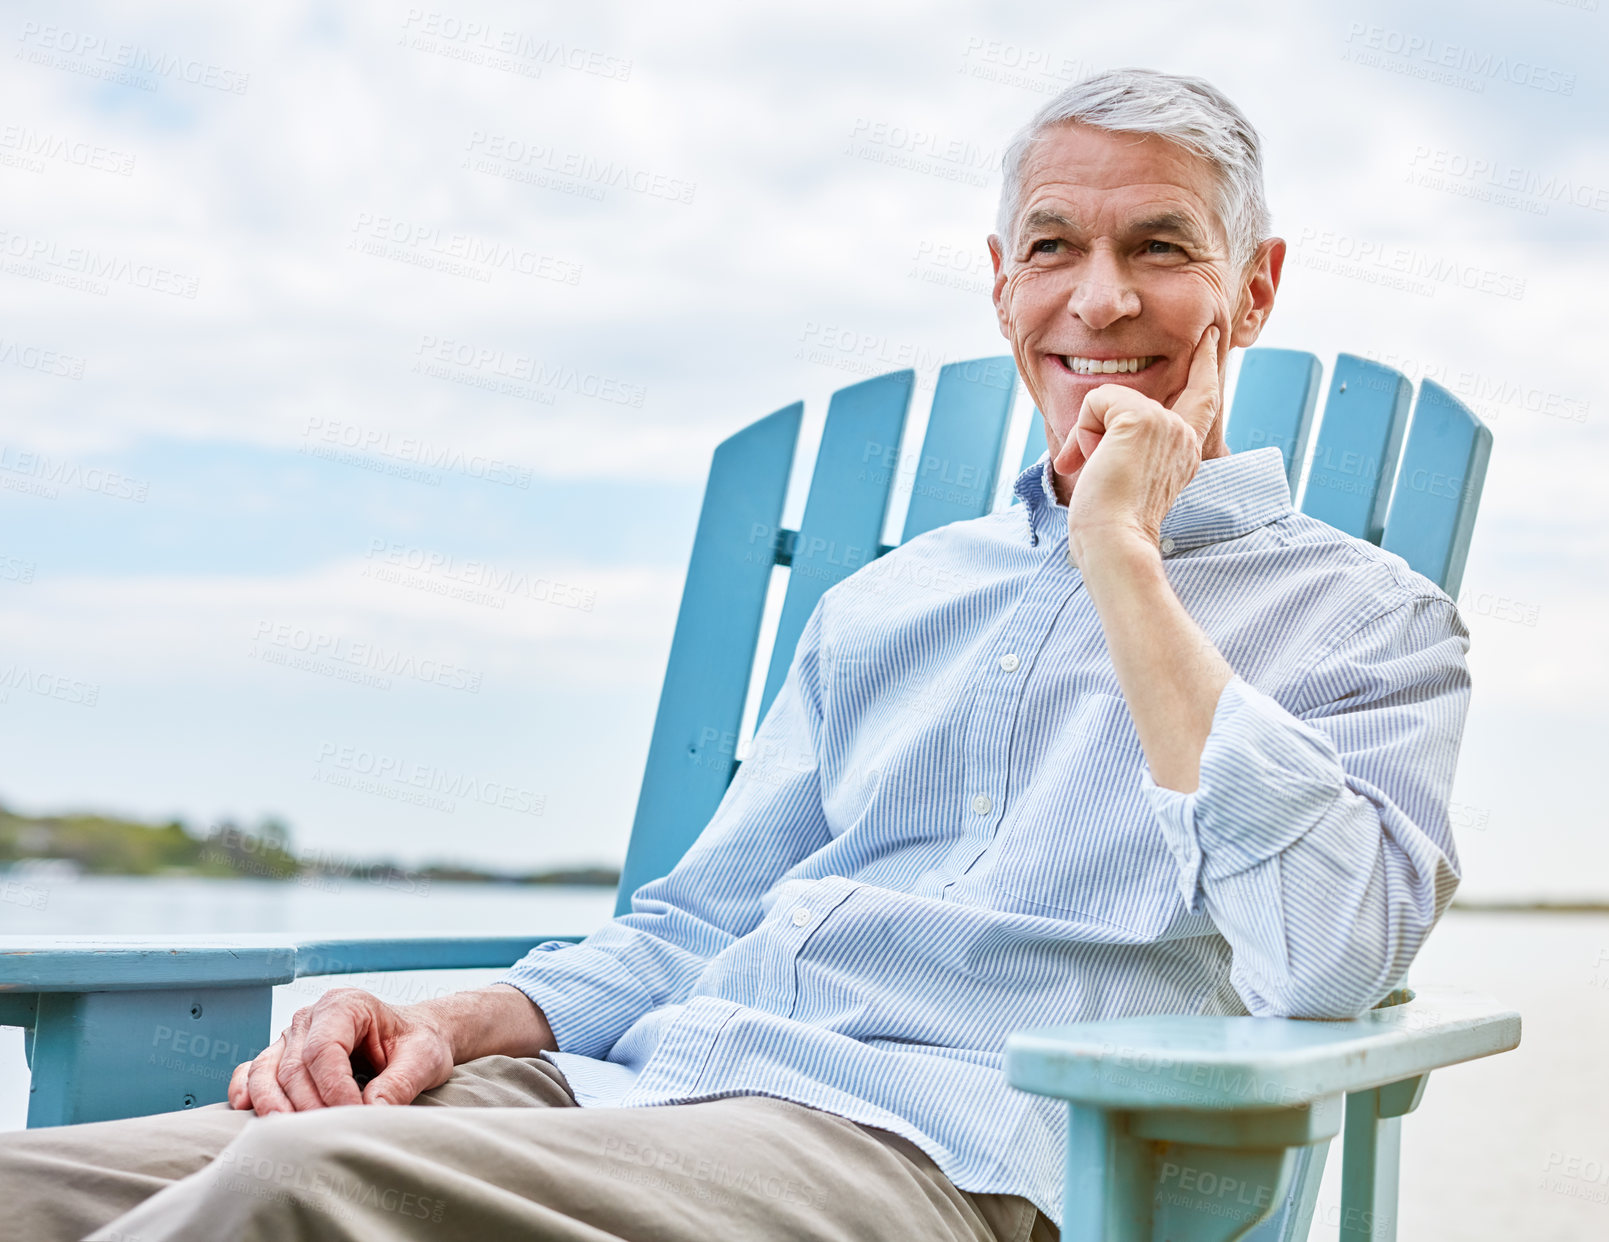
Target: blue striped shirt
x,y
946,831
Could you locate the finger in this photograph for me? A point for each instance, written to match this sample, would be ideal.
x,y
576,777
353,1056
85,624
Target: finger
x,y
239,1093
1070,458
1090,426
292,1074
262,1082
412,1069
1198,403
334,1032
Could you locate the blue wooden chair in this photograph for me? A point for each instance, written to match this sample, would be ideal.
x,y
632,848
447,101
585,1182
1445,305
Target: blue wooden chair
x,y
1177,1127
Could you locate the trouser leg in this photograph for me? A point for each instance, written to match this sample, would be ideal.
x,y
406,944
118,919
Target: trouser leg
x,y
745,1167
60,1182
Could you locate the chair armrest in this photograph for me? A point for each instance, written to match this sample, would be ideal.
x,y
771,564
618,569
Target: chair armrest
x,y
1159,1106
130,1025
1223,1063
355,955
131,963
127,1026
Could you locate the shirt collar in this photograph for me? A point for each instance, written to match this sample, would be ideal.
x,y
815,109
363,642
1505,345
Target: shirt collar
x,y
1229,497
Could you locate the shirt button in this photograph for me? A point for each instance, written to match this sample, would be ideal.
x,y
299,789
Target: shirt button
x,y
1167,543
801,916
982,805
1009,662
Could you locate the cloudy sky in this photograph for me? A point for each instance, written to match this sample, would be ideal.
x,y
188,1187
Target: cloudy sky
x,y
256,262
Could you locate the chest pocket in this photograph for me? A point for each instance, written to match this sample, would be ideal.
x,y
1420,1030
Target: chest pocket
x,y
1081,842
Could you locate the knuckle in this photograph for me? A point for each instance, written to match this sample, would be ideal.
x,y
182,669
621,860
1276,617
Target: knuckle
x,y
316,1054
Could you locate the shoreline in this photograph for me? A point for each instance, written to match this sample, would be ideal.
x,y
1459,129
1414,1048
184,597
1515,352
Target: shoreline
x,y
51,870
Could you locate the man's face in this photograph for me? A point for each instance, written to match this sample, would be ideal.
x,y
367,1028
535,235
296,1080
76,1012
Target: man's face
x,y
1120,258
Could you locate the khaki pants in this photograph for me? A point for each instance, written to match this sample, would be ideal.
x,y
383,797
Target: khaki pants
x,y
499,1151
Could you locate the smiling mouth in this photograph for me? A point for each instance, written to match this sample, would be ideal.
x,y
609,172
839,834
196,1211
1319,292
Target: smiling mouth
x,y
1106,366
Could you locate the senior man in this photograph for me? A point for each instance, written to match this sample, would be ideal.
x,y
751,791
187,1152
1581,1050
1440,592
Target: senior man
x,y
1168,747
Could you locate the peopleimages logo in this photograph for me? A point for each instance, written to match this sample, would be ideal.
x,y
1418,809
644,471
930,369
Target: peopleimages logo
x,y
382,770
480,43
468,579
517,374
1489,396
1440,60
337,435
86,268
1401,266
457,254
277,642
48,685
44,361
30,148
922,150
43,475
59,47
542,164
1484,173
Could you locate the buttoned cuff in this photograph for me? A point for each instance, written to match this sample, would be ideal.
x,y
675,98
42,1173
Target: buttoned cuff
x,y
1266,778
588,998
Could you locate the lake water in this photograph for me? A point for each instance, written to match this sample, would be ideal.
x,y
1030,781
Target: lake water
x,y
1512,1147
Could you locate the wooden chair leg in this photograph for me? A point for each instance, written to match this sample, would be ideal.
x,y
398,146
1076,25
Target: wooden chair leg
x,y
1369,1162
1109,1180
1186,1175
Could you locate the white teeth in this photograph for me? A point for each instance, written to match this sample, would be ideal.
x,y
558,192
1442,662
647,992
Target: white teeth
x,y
1106,366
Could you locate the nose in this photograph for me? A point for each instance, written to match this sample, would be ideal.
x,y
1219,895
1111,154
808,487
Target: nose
x,y
1103,292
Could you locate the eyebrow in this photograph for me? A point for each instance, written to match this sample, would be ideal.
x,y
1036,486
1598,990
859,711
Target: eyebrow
x,y
1174,223
1042,218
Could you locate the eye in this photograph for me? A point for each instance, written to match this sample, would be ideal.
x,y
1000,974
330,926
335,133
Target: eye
x,y
1036,247
1166,247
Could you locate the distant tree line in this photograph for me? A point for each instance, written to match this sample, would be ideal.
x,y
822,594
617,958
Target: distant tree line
x,y
106,845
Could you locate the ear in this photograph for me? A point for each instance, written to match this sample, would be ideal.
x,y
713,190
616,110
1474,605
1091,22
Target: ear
x,y
998,258
1257,293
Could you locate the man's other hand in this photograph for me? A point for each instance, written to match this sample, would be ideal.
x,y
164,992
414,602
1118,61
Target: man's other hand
x,y
310,1064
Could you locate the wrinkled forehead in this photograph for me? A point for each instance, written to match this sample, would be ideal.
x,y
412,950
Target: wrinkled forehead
x,y
1096,178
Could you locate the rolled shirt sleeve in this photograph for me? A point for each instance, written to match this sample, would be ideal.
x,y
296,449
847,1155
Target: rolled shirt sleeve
x,y
1318,839
769,819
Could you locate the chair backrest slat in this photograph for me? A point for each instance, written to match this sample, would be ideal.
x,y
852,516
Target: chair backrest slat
x,y
956,472
717,630
1438,488
1349,482
1275,395
843,518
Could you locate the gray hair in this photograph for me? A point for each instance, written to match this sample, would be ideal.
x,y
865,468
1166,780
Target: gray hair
x,y
1188,111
